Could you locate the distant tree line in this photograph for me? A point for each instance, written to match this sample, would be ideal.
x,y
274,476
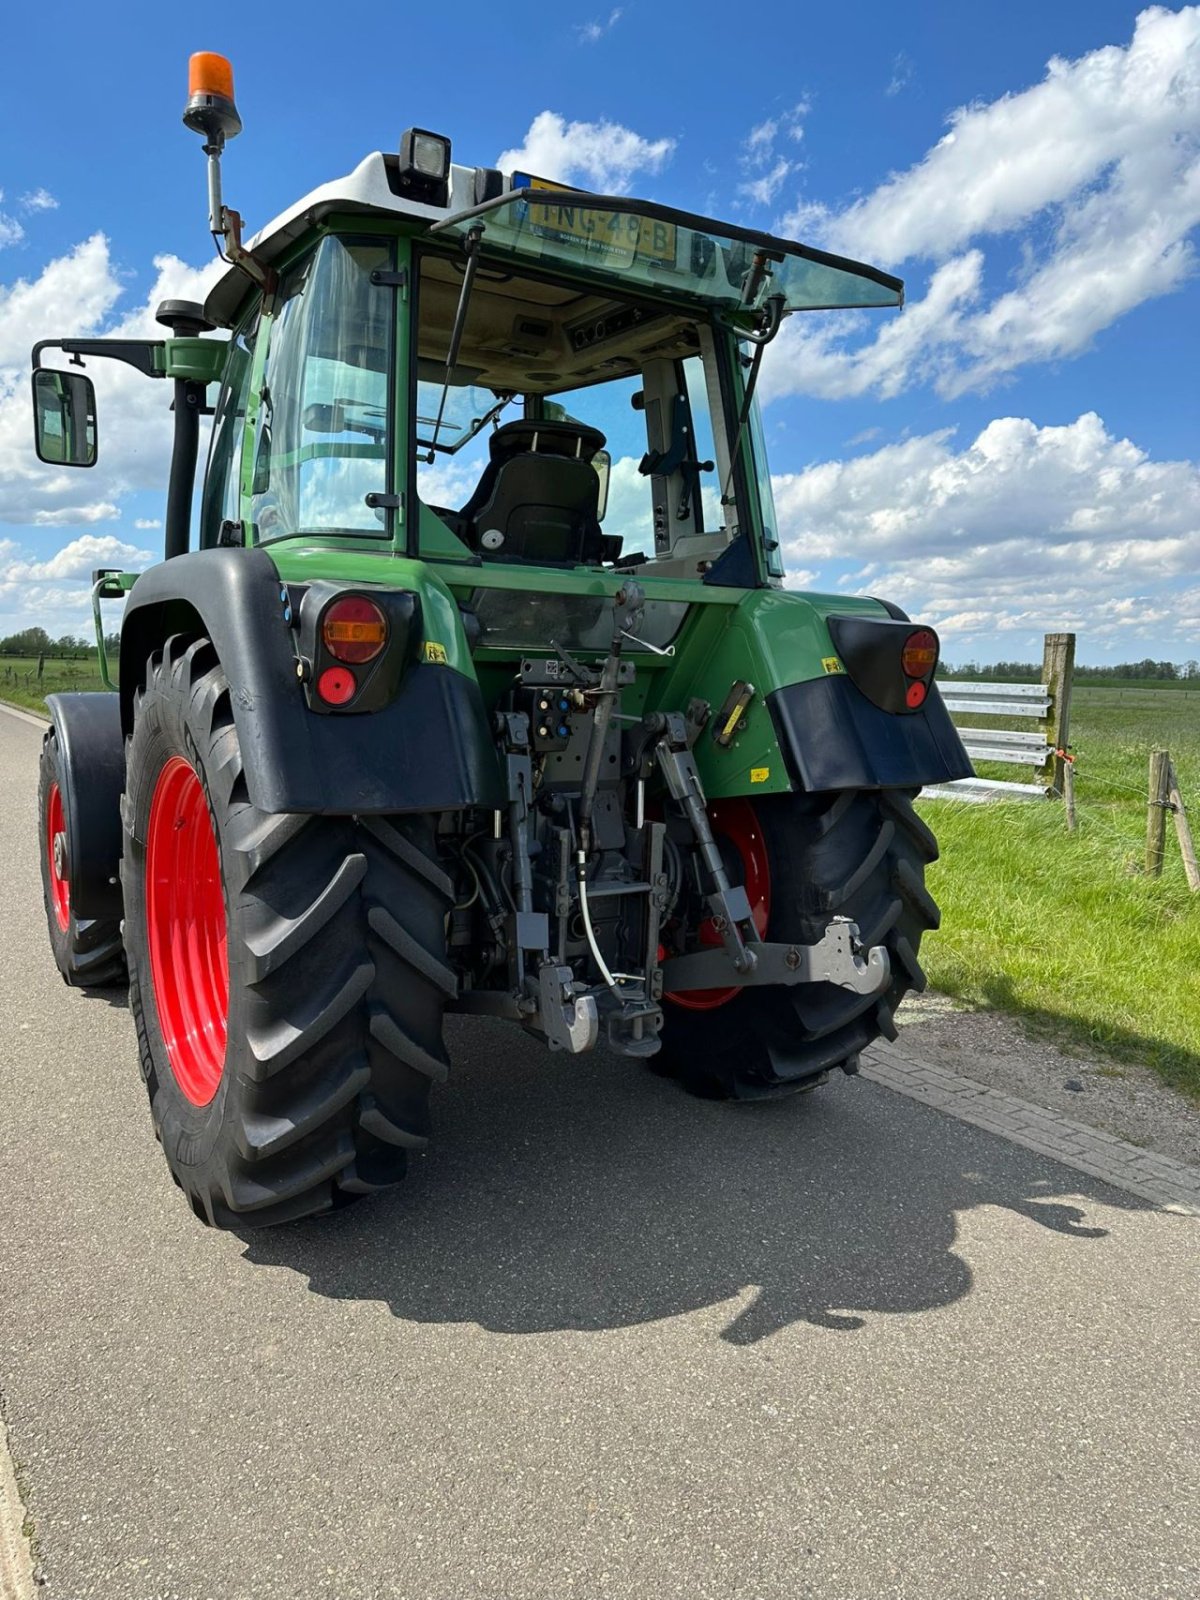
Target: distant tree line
x,y
1031,671
37,642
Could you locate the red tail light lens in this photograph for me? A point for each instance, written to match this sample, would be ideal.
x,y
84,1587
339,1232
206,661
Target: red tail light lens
x,y
920,653
336,686
354,630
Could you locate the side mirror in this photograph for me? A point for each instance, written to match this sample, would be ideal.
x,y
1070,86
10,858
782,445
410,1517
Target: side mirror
x,y
64,418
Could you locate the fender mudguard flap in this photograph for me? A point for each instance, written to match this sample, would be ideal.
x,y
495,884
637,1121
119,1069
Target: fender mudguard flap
x,y
429,750
832,737
91,750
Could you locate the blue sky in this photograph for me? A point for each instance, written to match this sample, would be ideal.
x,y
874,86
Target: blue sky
x,y
1016,451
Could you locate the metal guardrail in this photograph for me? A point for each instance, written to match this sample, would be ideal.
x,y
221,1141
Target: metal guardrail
x,y
1048,704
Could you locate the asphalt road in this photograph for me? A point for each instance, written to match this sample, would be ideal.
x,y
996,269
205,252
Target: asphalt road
x,y
607,1341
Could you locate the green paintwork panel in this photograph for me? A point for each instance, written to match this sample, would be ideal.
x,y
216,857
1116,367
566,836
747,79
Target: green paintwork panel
x,y
766,637
304,562
202,360
770,638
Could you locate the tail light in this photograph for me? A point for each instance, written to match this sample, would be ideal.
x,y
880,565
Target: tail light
x,y
354,630
920,653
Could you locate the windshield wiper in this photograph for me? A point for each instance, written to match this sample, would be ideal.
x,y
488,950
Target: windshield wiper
x,y
471,243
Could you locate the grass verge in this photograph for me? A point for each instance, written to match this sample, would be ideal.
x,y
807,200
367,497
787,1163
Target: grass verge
x,y
1066,930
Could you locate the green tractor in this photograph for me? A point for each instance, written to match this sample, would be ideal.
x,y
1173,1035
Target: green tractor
x,y
477,687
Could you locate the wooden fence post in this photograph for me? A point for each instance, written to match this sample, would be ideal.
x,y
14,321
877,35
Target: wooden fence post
x,y
1156,810
1058,670
1183,832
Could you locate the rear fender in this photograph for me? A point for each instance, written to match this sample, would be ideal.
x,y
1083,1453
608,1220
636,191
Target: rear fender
x,y
91,771
429,749
808,726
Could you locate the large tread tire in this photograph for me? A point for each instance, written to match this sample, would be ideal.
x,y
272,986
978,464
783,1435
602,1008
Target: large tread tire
x,y
89,952
857,854
337,977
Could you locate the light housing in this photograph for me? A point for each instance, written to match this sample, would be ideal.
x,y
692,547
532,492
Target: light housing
x,y
210,108
424,169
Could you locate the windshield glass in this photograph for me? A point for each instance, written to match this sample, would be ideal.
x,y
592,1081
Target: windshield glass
x,y
669,252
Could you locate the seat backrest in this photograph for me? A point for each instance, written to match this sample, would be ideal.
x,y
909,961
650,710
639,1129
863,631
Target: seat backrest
x,y
541,508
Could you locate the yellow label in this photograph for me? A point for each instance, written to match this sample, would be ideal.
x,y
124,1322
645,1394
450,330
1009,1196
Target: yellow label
x,y
735,718
759,774
436,652
832,664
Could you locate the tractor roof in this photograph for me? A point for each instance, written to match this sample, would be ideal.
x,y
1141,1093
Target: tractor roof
x,y
585,235
371,188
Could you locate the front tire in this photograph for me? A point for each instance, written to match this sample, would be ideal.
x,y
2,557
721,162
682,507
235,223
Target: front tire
x,y
287,972
87,951
858,854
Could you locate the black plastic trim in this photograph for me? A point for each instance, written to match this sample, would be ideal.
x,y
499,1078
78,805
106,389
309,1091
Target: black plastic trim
x,y
832,737
871,650
429,750
91,777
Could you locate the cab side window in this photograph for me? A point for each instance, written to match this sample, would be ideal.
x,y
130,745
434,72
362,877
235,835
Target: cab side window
x,y
321,440
222,481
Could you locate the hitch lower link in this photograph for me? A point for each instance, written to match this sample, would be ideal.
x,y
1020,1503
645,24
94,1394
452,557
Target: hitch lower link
x,y
837,958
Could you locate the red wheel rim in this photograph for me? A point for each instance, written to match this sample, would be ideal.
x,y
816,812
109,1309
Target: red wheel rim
x,y
185,919
56,855
736,821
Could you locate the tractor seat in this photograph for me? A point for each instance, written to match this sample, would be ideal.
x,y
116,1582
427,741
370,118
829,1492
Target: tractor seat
x,y
538,497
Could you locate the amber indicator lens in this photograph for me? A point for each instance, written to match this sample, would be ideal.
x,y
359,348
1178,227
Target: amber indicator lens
x,y
354,630
920,653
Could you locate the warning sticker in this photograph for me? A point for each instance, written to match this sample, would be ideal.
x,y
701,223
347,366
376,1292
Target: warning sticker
x,y
435,652
759,774
832,664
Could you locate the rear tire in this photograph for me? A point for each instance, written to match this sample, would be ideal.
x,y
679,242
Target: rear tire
x,y
336,976
857,854
88,952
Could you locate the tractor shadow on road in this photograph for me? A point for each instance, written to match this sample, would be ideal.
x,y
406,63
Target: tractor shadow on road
x,y
587,1194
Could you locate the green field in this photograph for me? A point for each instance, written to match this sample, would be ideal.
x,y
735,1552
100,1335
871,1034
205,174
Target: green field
x,y
1062,929
1065,929
21,686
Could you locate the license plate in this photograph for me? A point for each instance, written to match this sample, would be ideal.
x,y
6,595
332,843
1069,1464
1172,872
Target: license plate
x,y
622,236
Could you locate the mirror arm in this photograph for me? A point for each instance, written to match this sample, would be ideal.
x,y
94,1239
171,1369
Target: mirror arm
x,y
137,353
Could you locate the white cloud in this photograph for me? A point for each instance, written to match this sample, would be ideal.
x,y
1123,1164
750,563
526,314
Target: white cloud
x,y
593,32
75,560
1026,528
39,200
765,167
55,591
147,522
902,74
80,293
1095,172
604,155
